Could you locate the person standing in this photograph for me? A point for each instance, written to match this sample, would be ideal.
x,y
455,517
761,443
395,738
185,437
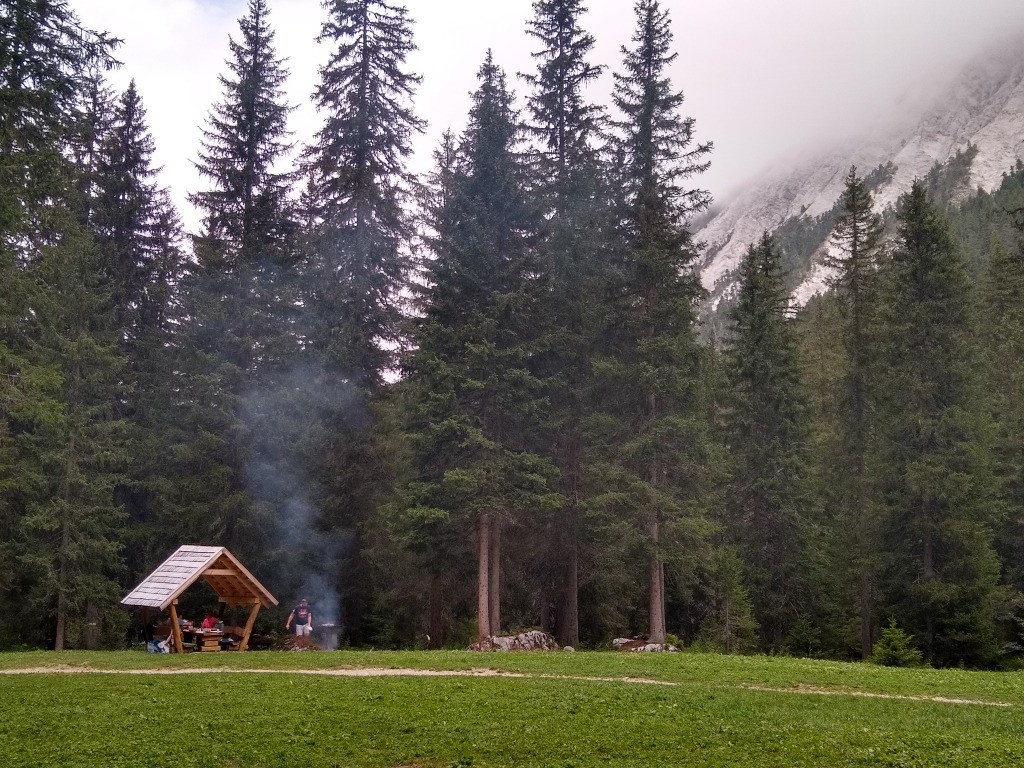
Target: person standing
x,y
302,616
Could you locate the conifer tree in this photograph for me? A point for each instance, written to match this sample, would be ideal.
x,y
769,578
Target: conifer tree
x,y
653,364
139,238
123,209
357,167
356,265
246,212
58,442
239,337
857,243
933,454
819,324
567,175
73,533
471,388
245,248
767,494
1002,345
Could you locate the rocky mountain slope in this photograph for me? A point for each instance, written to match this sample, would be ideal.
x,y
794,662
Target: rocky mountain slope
x,y
984,107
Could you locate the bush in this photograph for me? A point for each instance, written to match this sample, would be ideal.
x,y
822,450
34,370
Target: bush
x,y
896,648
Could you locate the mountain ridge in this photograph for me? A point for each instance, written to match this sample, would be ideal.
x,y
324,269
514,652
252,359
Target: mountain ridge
x,y
983,107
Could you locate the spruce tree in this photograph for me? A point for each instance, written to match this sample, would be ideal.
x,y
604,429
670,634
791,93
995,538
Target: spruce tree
x,y
355,267
857,248
246,210
565,128
123,208
472,392
825,366
767,500
73,532
933,453
360,187
245,248
239,339
652,363
58,439
139,238
1002,345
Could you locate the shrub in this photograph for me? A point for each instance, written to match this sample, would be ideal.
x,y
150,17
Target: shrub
x,y
896,648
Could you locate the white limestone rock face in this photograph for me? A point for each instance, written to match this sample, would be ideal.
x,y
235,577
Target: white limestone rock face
x,y
984,107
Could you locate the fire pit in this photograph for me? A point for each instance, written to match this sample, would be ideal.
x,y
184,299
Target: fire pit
x,y
328,633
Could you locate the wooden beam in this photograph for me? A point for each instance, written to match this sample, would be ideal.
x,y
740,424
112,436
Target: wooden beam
x,y
176,628
244,645
221,572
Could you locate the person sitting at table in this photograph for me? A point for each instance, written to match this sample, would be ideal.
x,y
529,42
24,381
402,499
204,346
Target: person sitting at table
x,y
183,623
210,621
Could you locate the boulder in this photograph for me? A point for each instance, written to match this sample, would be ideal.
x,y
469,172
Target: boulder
x,y
531,640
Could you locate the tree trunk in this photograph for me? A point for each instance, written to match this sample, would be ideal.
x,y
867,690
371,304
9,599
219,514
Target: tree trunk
x,y
58,643
569,614
494,583
435,613
865,591
483,573
569,618
91,631
927,569
62,571
656,633
657,588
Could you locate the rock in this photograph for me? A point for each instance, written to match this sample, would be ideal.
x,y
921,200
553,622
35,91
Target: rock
x,y
656,647
569,648
640,644
532,640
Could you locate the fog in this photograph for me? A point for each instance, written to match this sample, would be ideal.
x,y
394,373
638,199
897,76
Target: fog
x,y
763,79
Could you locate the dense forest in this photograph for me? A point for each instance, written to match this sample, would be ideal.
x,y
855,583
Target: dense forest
x,y
450,407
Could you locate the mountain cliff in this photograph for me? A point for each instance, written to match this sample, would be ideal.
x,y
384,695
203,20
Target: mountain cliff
x,y
979,117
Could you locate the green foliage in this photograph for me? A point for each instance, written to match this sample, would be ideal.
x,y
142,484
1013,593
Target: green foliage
x,y
895,648
933,456
356,261
650,364
557,405
471,395
572,234
948,183
766,432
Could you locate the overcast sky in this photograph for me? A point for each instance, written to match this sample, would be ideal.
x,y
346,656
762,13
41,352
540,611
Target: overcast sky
x,y
762,78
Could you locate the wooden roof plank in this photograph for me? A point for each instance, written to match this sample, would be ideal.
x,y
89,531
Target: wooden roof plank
x,y
188,564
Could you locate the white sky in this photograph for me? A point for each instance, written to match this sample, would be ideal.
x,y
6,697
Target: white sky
x,y
762,78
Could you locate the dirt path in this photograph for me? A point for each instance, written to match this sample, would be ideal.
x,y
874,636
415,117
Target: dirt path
x,y
68,669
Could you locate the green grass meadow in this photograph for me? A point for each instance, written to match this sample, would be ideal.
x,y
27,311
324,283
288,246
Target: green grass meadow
x,y
717,712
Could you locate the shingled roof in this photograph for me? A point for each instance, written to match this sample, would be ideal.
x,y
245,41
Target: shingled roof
x,y
233,584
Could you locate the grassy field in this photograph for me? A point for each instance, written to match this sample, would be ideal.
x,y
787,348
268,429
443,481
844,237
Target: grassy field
x,y
582,709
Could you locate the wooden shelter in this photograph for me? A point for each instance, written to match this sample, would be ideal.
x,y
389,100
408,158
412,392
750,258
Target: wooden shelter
x,y
227,577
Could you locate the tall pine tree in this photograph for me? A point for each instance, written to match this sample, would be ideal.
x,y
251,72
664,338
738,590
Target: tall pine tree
x,y
652,361
356,266
239,337
857,250
58,439
1002,337
767,501
565,128
933,453
473,394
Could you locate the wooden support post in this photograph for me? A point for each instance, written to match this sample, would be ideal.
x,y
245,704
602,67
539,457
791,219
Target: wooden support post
x,y
244,645
176,628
